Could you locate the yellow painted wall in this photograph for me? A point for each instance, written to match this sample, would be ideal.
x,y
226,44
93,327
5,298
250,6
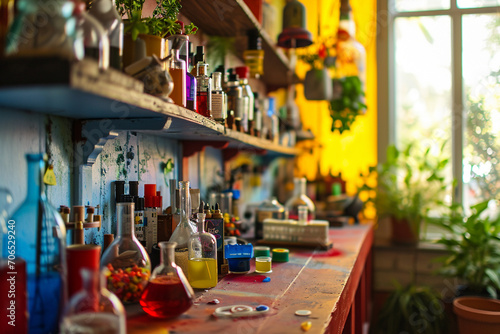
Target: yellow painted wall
x,y
354,150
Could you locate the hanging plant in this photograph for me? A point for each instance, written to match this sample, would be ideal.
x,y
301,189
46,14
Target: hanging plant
x,y
347,103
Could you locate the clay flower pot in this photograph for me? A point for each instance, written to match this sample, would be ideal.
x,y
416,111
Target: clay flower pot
x,y
403,233
477,315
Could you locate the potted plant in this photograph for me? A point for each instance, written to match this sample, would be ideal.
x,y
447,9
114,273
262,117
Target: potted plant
x,y
151,30
408,186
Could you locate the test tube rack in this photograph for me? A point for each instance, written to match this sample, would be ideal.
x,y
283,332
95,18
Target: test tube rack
x,y
289,232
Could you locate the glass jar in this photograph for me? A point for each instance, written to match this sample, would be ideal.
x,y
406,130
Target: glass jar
x,y
184,229
94,309
202,265
125,262
42,28
41,242
300,198
168,293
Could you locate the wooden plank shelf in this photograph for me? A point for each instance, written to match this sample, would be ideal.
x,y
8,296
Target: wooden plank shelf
x,y
233,18
111,101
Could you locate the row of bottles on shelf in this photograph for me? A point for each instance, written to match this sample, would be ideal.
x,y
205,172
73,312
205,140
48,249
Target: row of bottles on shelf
x,y
47,273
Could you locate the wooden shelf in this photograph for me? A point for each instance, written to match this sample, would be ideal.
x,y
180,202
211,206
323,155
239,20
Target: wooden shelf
x,y
111,101
233,18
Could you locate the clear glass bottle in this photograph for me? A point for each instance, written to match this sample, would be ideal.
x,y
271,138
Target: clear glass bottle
x,y
27,36
249,103
9,263
184,229
202,265
91,39
41,242
177,70
94,309
105,12
218,99
191,86
203,92
168,293
125,262
300,198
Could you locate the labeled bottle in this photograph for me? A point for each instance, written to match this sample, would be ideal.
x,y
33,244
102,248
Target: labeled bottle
x,y
184,229
257,117
191,83
94,309
168,293
203,95
202,265
139,220
254,55
234,102
199,57
300,198
249,104
218,99
105,12
125,262
177,70
41,242
150,216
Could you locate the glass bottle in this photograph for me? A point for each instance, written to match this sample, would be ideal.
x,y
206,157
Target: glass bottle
x,y
300,198
249,103
184,229
234,102
257,116
202,265
41,242
191,84
91,39
105,12
94,309
267,209
27,35
203,92
125,262
254,55
9,264
168,293
177,70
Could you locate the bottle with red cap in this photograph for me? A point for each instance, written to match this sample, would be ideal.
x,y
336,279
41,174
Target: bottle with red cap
x,y
150,215
249,104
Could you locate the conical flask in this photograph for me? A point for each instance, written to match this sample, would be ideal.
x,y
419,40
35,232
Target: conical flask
x,y
126,259
168,293
94,309
300,198
41,242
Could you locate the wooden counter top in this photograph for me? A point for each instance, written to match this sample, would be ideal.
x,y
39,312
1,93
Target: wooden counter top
x,y
328,283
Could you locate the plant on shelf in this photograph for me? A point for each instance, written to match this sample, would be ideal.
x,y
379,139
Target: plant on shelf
x,y
162,23
406,188
473,245
412,309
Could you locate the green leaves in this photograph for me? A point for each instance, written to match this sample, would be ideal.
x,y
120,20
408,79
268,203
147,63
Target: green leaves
x,y
348,105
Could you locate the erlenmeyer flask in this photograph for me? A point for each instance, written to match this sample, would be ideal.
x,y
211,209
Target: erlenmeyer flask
x,y
168,294
94,309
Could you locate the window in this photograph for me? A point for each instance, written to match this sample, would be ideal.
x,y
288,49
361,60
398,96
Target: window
x,y
439,80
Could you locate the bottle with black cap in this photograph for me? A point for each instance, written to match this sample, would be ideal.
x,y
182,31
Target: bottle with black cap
x,y
191,84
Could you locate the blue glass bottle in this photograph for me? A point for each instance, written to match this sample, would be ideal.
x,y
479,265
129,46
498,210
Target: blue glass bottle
x,y
41,242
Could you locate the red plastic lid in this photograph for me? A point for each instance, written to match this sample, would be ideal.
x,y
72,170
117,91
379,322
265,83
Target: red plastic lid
x,y
149,195
242,71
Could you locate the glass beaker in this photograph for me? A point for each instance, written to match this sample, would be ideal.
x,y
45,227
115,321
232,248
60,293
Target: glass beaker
x,y
41,242
126,259
184,229
202,264
94,309
168,293
300,198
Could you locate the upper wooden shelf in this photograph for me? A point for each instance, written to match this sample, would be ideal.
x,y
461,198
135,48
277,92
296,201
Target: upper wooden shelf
x,y
80,91
233,18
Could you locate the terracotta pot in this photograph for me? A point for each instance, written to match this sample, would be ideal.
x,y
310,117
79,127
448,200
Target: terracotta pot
x,y
477,315
144,46
403,233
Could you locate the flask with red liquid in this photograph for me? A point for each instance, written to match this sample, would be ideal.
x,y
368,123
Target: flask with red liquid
x,y
168,293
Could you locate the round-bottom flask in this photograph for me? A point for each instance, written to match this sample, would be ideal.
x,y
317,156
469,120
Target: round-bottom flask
x,y
168,293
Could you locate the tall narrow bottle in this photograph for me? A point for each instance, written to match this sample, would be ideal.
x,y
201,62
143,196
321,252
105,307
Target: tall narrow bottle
x,y
105,12
249,104
300,198
184,230
41,242
254,55
191,85
234,102
218,99
202,265
177,70
203,99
